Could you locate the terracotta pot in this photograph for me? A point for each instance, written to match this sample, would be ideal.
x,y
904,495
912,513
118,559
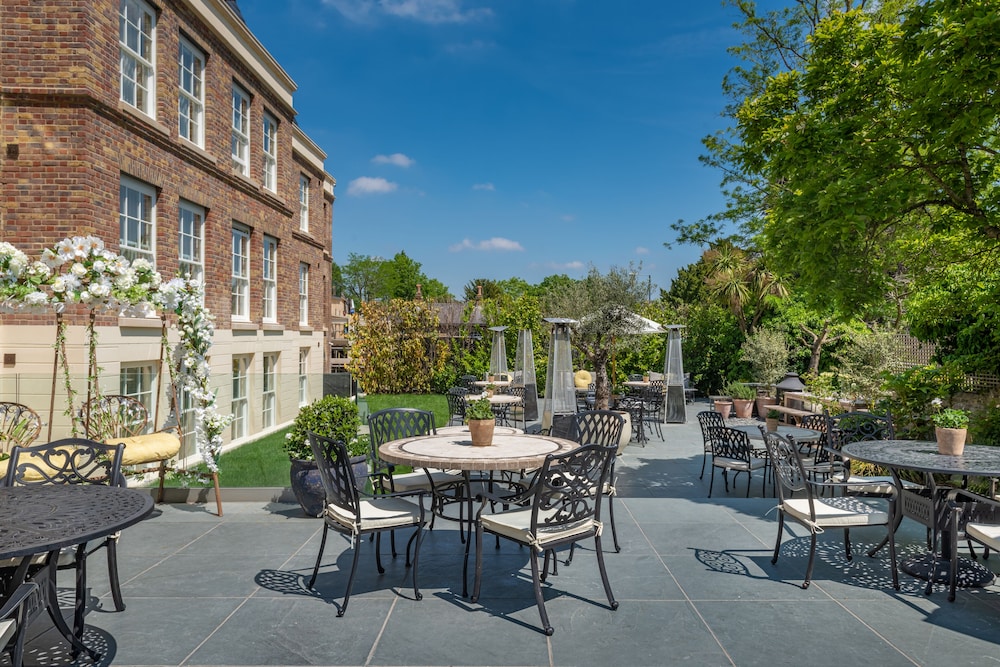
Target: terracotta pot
x,y
950,441
482,431
762,403
489,393
772,424
743,407
724,407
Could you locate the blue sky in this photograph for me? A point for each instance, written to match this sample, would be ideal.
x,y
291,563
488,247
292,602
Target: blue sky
x,y
499,138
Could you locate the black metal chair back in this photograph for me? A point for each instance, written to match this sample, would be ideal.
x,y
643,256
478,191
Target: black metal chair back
x,y
336,474
851,427
568,489
467,380
730,443
68,461
395,424
456,404
599,427
786,462
706,420
19,425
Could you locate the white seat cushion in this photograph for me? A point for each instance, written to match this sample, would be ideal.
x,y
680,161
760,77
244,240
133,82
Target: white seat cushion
x,y
988,534
872,486
841,511
378,513
737,464
516,524
411,481
7,630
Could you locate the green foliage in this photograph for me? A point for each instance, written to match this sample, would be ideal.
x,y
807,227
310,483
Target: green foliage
x,y
864,363
334,417
766,353
738,280
435,403
479,409
985,428
951,418
912,393
395,347
773,414
712,340
740,391
491,289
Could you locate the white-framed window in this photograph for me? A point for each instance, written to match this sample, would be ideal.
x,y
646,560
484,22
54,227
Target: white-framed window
x,y
303,376
270,274
191,240
241,131
136,220
303,293
137,54
137,381
303,202
241,396
269,135
241,273
191,93
269,387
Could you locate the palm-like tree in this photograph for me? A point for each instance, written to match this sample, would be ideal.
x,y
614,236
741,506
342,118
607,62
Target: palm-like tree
x,y
741,283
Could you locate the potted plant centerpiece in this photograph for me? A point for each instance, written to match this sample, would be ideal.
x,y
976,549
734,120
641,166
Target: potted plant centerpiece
x,y
950,428
743,396
772,420
479,415
333,417
489,389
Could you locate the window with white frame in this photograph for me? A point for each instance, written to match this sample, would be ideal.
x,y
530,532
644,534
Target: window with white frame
x,y
269,399
303,376
303,293
191,240
137,381
136,54
136,220
270,273
191,93
241,396
303,202
241,131
270,138
241,273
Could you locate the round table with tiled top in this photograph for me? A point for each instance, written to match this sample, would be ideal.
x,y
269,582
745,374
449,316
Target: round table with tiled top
x,y
456,452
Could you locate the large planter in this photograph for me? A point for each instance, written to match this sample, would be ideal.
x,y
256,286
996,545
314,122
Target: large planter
x,y
482,431
307,486
950,441
762,405
743,407
626,430
724,407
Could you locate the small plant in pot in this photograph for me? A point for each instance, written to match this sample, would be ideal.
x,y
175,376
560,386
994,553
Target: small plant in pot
x,y
334,417
772,420
479,415
950,428
743,397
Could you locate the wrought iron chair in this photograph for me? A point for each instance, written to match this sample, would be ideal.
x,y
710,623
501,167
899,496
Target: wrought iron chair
x,y
19,425
516,412
456,405
816,513
562,507
15,615
978,518
653,398
351,514
731,450
466,381
603,427
851,427
820,463
706,420
74,461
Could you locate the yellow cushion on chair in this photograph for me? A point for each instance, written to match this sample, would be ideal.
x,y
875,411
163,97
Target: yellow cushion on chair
x,y
148,448
582,379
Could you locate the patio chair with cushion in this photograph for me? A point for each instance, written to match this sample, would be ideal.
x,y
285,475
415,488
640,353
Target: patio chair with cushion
x,y
603,427
562,507
15,615
731,451
851,427
817,513
74,461
352,514
706,420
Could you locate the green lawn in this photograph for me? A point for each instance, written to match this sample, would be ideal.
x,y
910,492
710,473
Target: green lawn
x,y
264,463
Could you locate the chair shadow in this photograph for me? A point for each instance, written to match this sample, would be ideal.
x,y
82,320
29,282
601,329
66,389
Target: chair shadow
x,y
44,646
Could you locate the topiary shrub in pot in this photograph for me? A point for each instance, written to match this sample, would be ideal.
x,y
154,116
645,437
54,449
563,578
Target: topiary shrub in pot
x,y
334,417
743,397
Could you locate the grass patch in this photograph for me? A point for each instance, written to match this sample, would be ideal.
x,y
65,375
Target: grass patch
x,y
264,463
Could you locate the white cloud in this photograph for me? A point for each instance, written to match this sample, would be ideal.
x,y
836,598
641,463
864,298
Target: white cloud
x,y
397,159
484,186
495,243
641,250
422,11
566,266
366,185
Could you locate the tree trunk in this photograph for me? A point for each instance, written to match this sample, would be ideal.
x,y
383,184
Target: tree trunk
x,y
602,387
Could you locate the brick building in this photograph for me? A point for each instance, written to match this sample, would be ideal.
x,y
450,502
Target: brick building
x,y
165,128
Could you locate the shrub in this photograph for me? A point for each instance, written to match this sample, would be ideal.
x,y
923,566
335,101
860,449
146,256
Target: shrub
x,y
766,353
334,417
740,391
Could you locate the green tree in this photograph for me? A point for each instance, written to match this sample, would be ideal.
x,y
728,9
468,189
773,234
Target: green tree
x,y
363,278
491,289
399,277
739,281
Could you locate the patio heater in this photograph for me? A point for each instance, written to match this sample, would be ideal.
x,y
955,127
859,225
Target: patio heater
x,y
560,392
524,373
791,382
675,411
498,353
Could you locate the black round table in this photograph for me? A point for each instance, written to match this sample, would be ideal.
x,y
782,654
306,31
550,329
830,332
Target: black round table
x,y
44,518
930,505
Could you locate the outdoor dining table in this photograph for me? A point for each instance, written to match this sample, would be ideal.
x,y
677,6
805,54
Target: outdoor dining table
x,y
456,452
44,518
795,432
495,383
930,504
464,430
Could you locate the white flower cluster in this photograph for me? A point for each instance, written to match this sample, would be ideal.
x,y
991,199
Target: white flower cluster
x,y
21,280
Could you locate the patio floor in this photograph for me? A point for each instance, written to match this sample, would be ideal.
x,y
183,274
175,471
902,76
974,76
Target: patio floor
x,y
694,581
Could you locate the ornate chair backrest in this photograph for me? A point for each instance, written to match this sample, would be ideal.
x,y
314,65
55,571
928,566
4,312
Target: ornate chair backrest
x,y
568,487
817,423
68,461
787,464
564,426
515,390
709,419
335,473
467,380
113,416
19,425
599,427
396,423
729,443
456,401
851,427
654,395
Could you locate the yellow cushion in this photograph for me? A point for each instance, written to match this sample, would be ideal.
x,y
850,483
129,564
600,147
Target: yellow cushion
x,y
582,379
148,448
